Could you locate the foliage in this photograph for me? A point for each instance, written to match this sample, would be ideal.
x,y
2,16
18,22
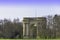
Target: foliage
x,y
10,29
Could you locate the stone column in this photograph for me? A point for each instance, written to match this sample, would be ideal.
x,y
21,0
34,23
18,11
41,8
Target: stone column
x,y
25,30
37,30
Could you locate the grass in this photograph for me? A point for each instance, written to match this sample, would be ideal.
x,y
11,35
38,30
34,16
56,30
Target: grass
x,y
29,39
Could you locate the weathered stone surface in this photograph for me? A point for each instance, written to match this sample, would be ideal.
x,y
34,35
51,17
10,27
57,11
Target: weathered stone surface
x,y
32,26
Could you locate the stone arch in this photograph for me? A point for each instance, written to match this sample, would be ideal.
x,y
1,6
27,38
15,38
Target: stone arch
x,y
33,30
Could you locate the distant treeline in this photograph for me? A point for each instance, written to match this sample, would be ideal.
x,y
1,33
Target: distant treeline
x,y
14,29
11,29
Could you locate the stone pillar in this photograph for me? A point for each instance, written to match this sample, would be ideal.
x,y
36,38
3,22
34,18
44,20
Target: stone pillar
x,y
25,30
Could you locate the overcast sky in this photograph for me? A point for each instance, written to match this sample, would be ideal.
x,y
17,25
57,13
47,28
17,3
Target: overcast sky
x,y
28,8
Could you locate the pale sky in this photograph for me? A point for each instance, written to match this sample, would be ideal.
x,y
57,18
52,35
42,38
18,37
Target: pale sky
x,y
13,9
